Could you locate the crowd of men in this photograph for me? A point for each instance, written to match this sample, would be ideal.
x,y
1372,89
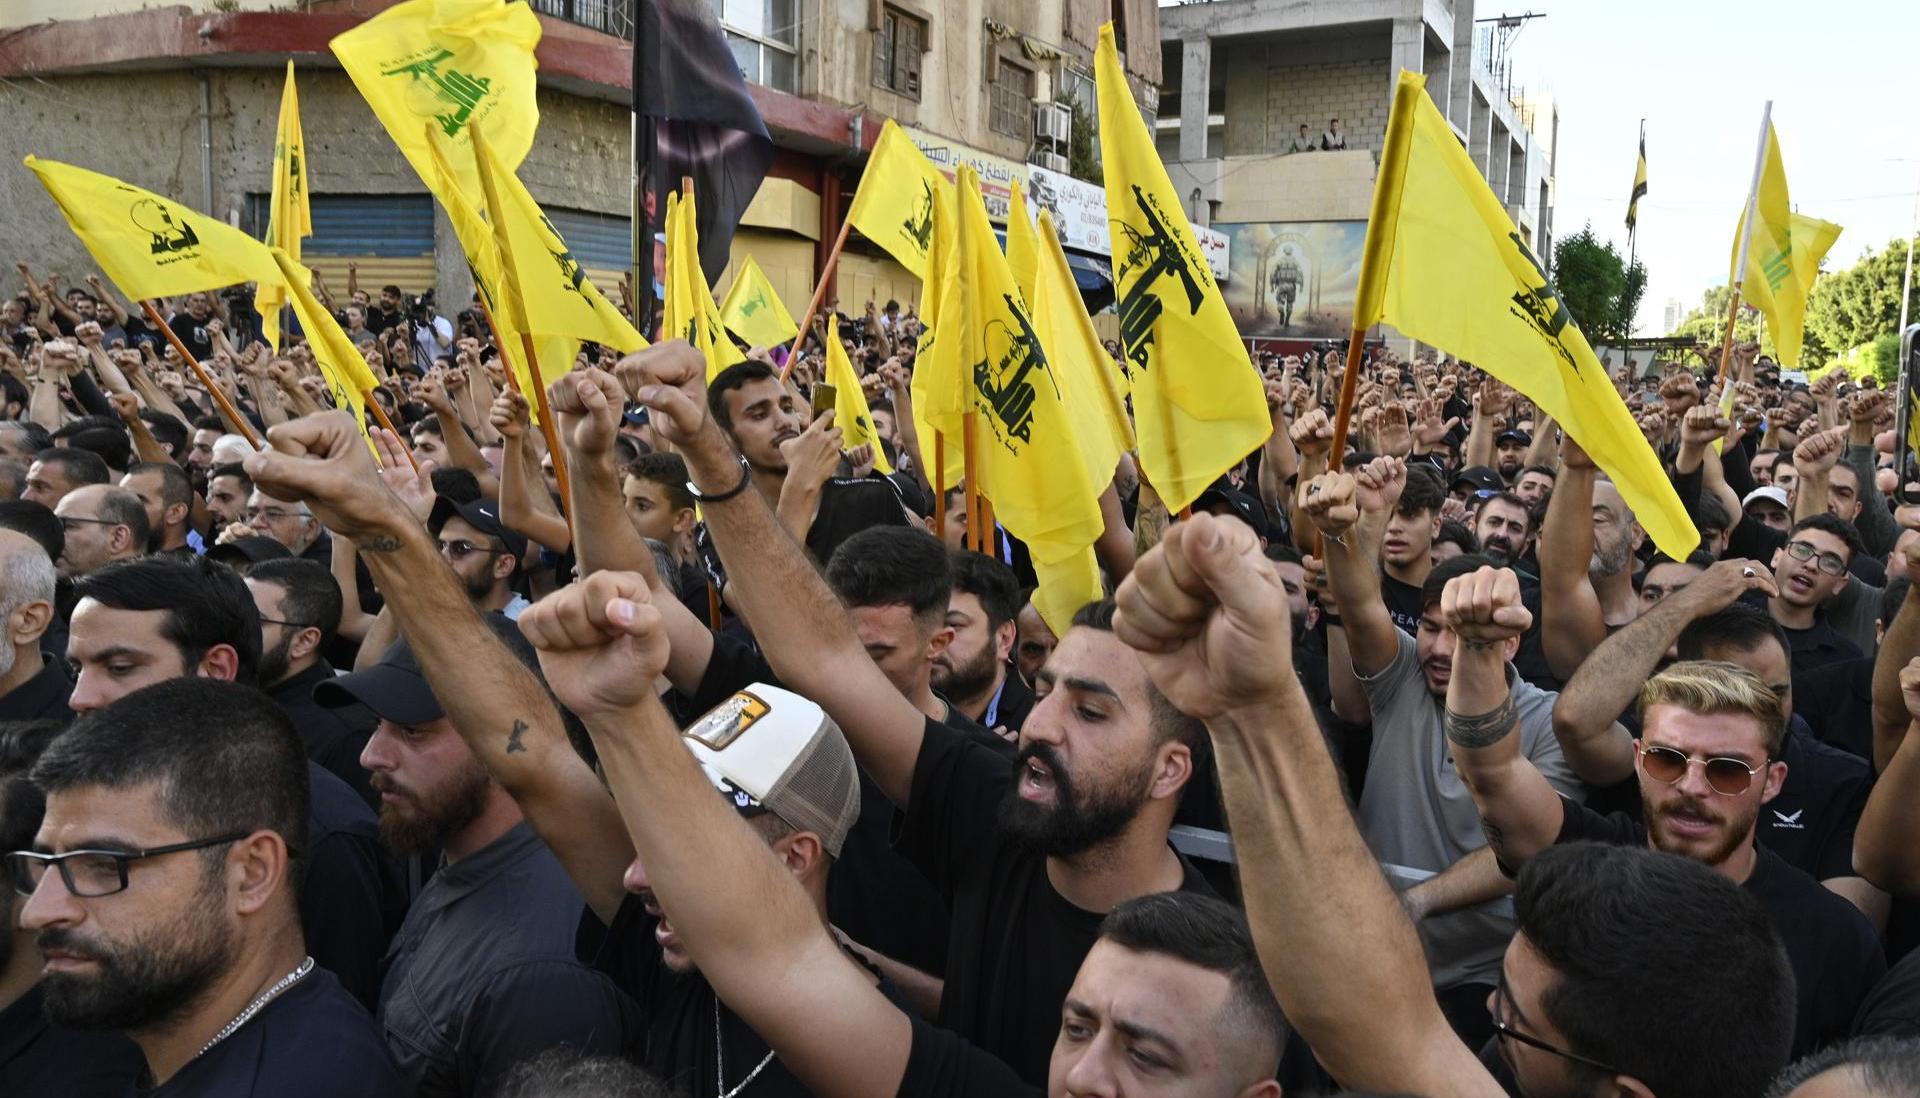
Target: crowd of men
x,y
377,764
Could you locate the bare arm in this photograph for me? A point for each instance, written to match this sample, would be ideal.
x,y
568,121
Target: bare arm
x,y
1473,880
1899,646
1208,618
1545,449
741,915
1814,460
1351,510
498,705
1886,843
354,619
1519,810
806,634
1572,624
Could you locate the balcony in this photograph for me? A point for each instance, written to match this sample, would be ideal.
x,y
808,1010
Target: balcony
x,y
614,17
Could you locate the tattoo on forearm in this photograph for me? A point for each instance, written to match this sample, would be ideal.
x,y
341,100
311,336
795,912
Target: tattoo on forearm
x,y
1496,838
1484,730
514,746
379,543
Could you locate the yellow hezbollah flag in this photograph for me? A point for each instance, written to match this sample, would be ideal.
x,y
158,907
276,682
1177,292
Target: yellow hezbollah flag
x,y
1444,265
148,245
894,205
1088,376
1784,257
689,312
936,374
1026,457
1023,245
456,64
483,259
849,401
289,219
754,312
340,362
1198,405
548,291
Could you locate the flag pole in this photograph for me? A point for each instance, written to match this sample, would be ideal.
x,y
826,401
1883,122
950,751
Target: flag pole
x,y
939,482
1746,239
1343,412
971,481
380,417
1906,280
509,274
819,295
226,407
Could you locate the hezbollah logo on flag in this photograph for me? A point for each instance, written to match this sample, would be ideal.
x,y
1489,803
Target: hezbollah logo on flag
x,y
1149,255
439,91
571,272
172,235
920,225
1541,305
1005,377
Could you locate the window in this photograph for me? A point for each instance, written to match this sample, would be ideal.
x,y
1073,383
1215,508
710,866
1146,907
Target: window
x,y
897,45
763,38
1012,92
613,17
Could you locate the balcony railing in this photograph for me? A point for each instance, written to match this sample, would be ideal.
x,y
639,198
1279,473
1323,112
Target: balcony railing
x,y
613,17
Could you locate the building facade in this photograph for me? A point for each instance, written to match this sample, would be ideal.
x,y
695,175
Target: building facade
x,y
1242,79
183,100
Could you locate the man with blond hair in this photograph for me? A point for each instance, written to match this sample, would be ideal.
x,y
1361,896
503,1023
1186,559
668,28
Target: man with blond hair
x,y
1707,761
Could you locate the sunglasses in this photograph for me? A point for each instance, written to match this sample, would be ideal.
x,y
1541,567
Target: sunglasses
x,y
1727,776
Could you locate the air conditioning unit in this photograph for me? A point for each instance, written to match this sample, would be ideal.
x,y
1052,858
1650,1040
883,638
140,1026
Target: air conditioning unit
x,y
1052,122
1053,162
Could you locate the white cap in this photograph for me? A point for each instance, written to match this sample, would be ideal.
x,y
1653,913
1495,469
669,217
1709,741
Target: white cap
x,y
771,750
1769,492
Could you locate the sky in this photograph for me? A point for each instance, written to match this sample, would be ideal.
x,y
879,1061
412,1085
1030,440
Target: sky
x,y
1844,77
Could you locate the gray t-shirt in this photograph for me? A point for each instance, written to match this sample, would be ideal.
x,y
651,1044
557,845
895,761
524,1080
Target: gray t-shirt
x,y
1419,818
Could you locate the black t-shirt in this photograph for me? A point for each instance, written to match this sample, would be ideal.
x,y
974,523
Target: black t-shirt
x,y
1892,1008
334,738
313,1041
1811,823
354,895
38,1057
193,335
1404,604
1819,645
1016,944
677,1037
849,505
945,1065
1835,954
1836,701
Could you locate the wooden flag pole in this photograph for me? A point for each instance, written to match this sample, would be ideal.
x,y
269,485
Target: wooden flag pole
x,y
1343,413
1746,240
819,294
241,426
547,429
989,533
939,482
971,480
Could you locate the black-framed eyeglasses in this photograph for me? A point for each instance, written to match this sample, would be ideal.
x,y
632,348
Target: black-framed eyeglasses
x,y
1833,564
68,522
94,873
1504,1030
1726,775
288,624
460,549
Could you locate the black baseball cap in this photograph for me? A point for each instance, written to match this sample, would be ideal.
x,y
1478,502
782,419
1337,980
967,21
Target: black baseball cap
x,y
241,553
483,515
1479,478
1244,506
1513,434
396,689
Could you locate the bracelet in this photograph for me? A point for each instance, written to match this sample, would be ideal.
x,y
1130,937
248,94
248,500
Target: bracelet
x,y
746,477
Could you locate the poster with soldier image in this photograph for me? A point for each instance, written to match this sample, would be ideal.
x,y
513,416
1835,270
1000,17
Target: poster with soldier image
x,y
1293,279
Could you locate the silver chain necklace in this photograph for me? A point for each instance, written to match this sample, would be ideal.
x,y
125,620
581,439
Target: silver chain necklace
x,y
254,1007
720,1060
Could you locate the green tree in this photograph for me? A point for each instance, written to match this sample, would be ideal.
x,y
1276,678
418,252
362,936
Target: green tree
x,y
1708,323
1083,152
1596,286
1861,303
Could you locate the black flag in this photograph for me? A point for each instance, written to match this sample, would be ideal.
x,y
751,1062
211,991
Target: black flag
x,y
688,89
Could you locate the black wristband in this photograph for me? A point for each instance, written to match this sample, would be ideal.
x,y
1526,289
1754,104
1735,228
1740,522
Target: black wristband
x,y
746,477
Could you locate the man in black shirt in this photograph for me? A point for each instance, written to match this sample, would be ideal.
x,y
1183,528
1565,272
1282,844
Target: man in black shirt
x,y
510,724
146,621
973,671
192,325
1808,571
300,607
1811,821
32,687
162,890
1168,998
1708,763
1029,856
36,1056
